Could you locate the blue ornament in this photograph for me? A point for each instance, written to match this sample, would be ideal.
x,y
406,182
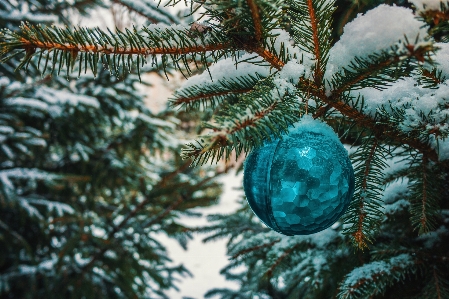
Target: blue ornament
x,y
302,183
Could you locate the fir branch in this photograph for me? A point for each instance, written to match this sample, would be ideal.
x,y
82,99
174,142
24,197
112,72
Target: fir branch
x,y
256,19
258,116
373,278
440,287
311,24
431,79
378,70
202,97
424,200
316,42
424,227
364,213
93,45
437,284
279,260
255,248
384,130
161,187
270,57
212,93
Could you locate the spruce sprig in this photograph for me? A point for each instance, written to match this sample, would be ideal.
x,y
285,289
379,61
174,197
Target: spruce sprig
x,y
256,117
425,195
311,22
122,50
365,211
211,95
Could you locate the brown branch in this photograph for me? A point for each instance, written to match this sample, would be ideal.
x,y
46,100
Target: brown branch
x,y
431,76
270,58
256,19
29,45
373,69
363,120
437,285
423,218
316,42
359,235
248,250
321,111
220,140
383,130
375,277
269,273
187,100
251,121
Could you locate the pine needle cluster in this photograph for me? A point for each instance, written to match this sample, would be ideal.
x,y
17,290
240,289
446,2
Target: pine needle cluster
x,y
266,63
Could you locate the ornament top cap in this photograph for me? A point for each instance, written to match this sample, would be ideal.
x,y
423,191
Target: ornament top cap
x,y
308,124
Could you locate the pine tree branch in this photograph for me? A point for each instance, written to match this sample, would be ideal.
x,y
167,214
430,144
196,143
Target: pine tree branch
x,y
251,121
255,248
370,70
364,121
133,213
256,117
424,208
359,236
437,285
89,46
432,76
286,253
205,96
316,42
256,19
365,211
373,278
162,183
423,219
32,45
270,57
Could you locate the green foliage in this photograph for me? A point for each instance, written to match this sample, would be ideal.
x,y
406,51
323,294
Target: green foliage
x,y
56,47
89,178
399,212
365,211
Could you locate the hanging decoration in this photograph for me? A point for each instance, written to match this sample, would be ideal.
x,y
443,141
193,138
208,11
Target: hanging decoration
x,y
302,183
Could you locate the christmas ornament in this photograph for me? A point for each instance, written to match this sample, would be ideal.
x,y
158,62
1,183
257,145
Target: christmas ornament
x,y
302,183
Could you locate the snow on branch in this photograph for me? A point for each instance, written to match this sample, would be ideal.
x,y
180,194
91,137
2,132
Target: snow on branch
x,y
373,278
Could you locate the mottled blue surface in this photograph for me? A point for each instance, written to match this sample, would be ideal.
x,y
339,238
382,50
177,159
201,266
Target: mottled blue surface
x,y
301,184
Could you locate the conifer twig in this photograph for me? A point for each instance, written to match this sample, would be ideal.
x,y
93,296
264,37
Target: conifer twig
x,y
431,76
32,45
203,96
256,19
316,41
140,206
437,285
270,57
255,248
359,235
423,219
269,273
365,121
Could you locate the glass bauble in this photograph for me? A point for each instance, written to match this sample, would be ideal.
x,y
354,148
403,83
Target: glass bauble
x,y
302,183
